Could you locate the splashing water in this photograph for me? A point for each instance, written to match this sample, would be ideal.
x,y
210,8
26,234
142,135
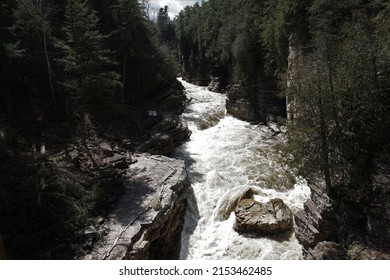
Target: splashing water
x,y
225,157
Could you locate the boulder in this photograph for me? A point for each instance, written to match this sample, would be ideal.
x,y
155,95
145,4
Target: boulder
x,y
259,218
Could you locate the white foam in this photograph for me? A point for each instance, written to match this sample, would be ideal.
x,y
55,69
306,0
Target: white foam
x,y
225,156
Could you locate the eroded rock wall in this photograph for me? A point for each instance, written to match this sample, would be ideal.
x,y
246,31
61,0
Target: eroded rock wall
x,y
147,221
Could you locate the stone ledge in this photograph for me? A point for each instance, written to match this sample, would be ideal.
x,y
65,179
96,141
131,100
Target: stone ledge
x,y
147,221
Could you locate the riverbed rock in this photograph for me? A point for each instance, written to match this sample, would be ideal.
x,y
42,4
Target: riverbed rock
x,y
259,218
317,221
146,223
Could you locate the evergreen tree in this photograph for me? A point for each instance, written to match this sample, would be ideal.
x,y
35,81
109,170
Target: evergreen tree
x,y
129,27
32,32
341,96
87,65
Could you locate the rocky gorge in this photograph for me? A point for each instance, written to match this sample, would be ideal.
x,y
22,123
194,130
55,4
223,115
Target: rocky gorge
x,y
145,221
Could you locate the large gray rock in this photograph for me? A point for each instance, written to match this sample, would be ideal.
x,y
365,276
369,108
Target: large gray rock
x,y
259,218
147,221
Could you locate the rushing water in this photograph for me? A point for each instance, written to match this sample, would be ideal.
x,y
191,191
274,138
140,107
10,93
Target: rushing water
x,y
224,157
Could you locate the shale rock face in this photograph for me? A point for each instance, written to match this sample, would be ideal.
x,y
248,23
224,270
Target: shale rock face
x,y
259,218
147,221
317,221
254,103
239,103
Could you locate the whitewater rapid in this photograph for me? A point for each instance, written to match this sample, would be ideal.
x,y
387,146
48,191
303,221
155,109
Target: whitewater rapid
x,y
224,157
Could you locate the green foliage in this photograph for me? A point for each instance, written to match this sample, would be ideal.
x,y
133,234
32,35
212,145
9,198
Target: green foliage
x,y
165,27
240,40
144,66
107,64
85,62
341,97
221,38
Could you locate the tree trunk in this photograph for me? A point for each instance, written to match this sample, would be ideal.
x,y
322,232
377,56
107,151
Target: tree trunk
x,y
48,65
3,256
46,51
324,138
8,95
324,148
138,83
124,72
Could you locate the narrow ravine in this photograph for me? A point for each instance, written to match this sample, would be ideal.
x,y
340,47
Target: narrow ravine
x,y
224,157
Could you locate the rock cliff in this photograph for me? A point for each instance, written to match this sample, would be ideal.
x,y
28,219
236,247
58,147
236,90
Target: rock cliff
x,y
253,103
146,223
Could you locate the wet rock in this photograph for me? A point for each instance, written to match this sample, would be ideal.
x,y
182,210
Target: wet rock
x,y
167,133
180,132
247,194
273,127
317,221
259,218
215,85
326,251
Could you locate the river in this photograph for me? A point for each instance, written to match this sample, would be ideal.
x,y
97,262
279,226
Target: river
x,y
224,156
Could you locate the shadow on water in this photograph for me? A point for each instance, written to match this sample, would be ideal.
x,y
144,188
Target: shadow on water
x,y
192,215
190,223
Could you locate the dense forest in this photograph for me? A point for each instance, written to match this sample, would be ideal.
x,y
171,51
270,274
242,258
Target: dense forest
x,y
74,71
71,71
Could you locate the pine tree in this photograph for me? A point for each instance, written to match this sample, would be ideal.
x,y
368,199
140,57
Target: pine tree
x,y
130,37
88,79
33,29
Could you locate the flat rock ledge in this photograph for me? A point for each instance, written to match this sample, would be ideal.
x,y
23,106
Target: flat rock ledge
x,y
255,217
147,221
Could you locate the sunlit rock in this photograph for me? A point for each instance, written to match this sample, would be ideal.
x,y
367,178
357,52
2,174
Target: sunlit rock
x,y
259,218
